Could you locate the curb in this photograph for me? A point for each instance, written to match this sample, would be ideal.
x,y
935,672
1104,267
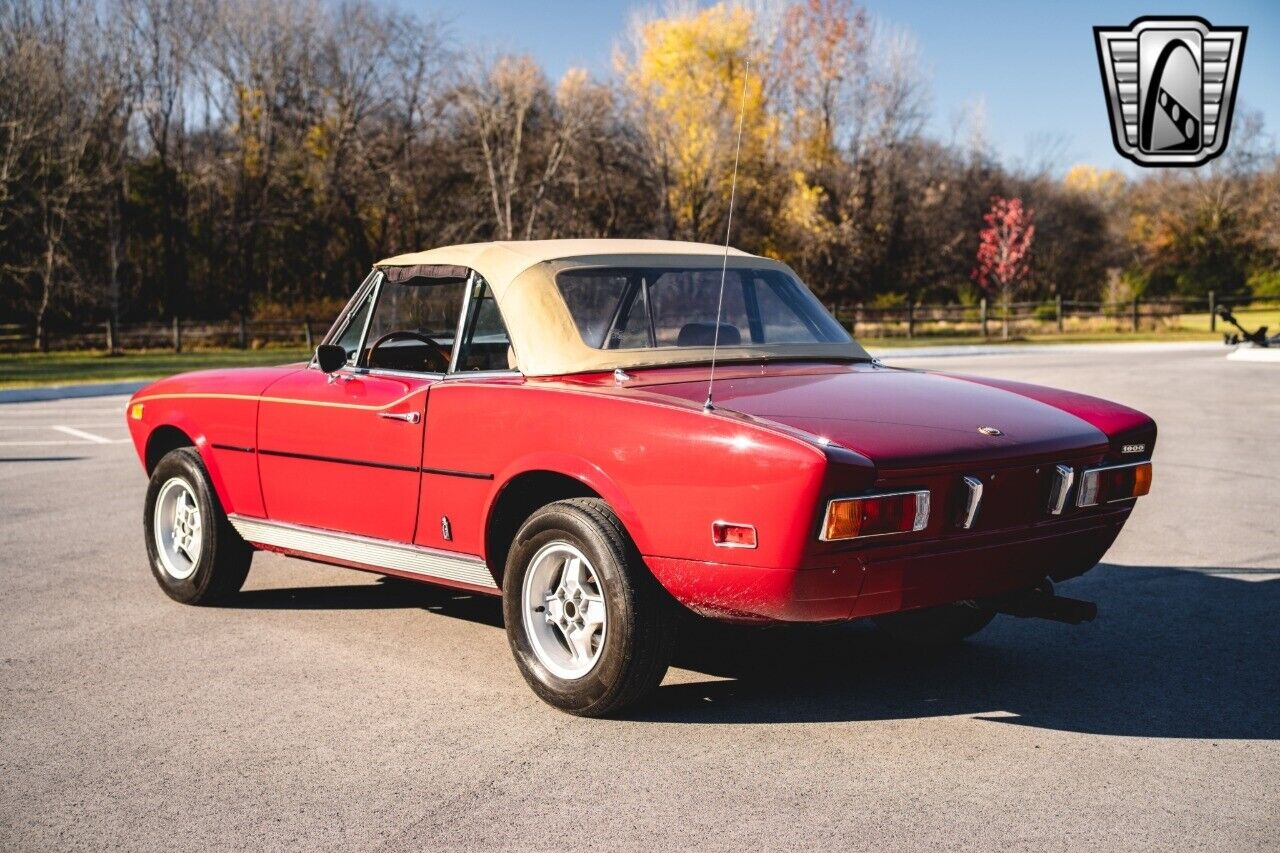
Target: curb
x,y
68,392
1270,355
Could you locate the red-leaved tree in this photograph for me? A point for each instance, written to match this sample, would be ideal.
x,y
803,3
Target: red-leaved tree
x,y
1003,248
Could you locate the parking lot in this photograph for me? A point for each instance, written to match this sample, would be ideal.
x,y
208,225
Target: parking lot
x,y
335,709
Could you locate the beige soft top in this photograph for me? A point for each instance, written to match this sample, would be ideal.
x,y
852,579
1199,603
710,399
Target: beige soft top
x,y
543,335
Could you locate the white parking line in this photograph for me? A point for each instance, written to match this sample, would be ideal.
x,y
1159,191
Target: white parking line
x,y
59,443
34,410
79,433
4,426
1248,577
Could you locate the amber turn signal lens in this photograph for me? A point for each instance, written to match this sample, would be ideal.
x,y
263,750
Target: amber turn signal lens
x,y
844,520
876,515
1142,480
1116,483
135,411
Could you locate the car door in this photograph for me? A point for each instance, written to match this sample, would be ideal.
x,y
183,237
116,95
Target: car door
x,y
343,451
454,490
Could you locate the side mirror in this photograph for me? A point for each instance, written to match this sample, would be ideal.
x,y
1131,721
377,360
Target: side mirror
x,y
330,357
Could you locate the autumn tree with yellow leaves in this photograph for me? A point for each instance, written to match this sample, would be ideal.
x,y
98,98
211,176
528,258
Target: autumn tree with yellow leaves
x,y
685,76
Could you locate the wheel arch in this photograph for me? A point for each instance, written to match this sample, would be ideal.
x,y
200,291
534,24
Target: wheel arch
x,y
174,433
535,485
162,441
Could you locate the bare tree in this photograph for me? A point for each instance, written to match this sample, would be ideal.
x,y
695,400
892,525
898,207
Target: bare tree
x,y
523,132
67,103
164,40
822,74
498,101
578,104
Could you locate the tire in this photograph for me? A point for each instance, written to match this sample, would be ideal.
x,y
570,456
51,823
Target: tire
x,y
618,654
211,564
935,626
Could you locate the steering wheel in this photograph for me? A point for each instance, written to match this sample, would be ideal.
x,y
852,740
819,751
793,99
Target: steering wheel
x,y
397,334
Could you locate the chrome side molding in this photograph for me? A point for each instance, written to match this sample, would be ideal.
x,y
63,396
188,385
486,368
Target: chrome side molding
x,y
375,553
971,504
1063,477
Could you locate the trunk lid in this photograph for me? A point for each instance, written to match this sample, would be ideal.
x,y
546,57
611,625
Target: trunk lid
x,y
900,419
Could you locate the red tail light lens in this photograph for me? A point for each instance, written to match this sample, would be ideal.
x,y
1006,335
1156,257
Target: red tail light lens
x,y
875,515
1116,483
726,534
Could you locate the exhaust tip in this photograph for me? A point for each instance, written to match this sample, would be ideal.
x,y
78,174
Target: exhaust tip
x,y
1041,603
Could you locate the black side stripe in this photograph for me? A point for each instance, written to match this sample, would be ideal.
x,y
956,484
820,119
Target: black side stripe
x,y
235,447
364,463
449,472
444,472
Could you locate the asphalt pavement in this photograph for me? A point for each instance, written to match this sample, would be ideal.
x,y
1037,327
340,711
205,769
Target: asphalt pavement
x,y
334,709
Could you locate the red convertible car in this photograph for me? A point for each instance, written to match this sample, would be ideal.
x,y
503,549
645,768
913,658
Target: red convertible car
x,y
531,420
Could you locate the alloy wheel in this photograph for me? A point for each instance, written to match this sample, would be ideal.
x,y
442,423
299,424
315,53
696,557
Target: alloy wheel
x,y
563,606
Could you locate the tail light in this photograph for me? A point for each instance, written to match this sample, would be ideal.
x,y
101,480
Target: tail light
x,y
875,515
727,534
1114,483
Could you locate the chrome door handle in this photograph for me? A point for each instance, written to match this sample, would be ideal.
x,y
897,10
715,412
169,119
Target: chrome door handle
x,y
408,417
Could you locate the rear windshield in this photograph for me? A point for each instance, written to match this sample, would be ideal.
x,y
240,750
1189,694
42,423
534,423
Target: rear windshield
x,y
638,307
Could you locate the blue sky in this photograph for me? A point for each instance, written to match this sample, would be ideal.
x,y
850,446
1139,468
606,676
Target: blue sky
x,y
1031,65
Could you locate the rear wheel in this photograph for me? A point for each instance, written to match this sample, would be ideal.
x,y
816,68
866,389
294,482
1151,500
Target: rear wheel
x,y
935,626
196,556
590,629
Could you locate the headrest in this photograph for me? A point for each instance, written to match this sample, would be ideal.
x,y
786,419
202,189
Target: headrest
x,y
704,335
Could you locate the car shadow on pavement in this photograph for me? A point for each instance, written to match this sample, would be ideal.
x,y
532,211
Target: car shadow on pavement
x,y
1173,653
387,594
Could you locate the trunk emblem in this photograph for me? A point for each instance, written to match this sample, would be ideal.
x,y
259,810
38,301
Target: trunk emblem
x,y
989,430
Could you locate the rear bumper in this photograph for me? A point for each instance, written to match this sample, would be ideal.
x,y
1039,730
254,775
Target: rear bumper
x,y
889,578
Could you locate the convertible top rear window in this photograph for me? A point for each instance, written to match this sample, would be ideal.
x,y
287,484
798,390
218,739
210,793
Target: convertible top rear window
x,y
643,307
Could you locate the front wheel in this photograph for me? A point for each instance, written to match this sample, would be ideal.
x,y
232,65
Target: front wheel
x,y
196,556
590,628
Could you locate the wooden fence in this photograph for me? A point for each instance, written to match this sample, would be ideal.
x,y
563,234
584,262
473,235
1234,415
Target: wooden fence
x,y
988,320
982,321
175,336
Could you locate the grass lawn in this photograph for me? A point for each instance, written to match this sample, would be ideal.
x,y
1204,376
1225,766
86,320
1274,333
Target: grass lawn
x,y
64,368
1183,327
1251,318
874,343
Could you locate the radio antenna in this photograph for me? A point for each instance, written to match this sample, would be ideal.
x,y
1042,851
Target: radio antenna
x,y
728,229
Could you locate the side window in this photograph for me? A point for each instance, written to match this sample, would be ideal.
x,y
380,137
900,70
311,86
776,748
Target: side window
x,y
634,329
413,325
592,297
485,342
